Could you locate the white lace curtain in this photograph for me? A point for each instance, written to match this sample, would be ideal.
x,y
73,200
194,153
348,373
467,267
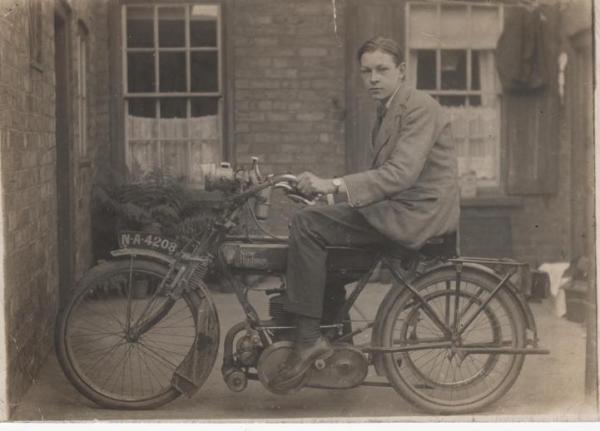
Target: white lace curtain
x,y
162,144
461,26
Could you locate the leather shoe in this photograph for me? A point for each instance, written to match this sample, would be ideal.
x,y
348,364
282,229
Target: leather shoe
x,y
299,361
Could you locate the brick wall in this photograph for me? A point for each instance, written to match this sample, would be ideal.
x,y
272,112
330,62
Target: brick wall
x,y
289,89
28,169
288,109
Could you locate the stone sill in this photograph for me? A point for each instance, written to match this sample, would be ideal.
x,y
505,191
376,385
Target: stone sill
x,y
491,202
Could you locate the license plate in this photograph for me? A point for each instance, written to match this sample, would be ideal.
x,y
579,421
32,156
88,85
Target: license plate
x,y
132,239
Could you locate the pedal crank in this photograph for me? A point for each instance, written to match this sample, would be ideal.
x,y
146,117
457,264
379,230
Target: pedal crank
x,y
269,365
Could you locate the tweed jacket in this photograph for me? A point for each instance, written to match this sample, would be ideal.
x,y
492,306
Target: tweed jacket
x,y
410,193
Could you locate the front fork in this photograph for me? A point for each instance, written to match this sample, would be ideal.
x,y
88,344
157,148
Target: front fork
x,y
174,289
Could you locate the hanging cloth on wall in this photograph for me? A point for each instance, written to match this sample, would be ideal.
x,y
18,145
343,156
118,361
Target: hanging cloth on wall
x,y
520,56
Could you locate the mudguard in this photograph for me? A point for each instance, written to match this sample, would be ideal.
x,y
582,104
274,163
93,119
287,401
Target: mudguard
x,y
150,254
190,375
511,289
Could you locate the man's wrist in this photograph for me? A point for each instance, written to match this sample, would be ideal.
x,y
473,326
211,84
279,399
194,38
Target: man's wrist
x,y
339,186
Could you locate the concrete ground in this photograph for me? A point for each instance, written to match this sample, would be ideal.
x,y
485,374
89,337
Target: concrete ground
x,y
549,388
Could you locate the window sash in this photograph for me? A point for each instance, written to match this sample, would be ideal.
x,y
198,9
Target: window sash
x,y
194,142
425,32
187,49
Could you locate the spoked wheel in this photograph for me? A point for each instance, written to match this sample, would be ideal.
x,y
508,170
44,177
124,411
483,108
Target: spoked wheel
x,y
441,375
109,359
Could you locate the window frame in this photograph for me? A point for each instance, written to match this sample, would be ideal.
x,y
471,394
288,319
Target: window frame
x,y
486,186
36,29
126,95
82,92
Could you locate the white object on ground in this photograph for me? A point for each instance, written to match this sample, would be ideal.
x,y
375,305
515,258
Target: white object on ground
x,y
557,281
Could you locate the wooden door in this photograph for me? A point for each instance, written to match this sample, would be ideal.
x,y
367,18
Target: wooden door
x,y
64,171
364,20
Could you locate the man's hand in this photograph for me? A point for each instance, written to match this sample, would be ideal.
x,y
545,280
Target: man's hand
x,y
311,185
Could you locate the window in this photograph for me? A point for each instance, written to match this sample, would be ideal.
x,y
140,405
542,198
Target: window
x,y
172,89
35,33
81,95
451,56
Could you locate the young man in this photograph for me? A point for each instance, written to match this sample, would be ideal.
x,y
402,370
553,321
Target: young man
x,y
409,195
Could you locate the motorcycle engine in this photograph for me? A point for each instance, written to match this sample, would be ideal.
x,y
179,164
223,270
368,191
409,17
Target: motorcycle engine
x,y
280,317
219,177
248,348
277,311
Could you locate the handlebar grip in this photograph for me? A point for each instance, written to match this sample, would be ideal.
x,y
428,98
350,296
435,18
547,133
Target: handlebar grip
x,y
301,199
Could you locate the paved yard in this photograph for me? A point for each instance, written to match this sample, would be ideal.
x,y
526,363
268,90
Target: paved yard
x,y
549,387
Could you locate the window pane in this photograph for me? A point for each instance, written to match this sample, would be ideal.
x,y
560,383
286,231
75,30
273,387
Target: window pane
x,y
203,106
204,124
141,122
423,28
144,159
452,100
475,74
140,72
455,30
204,130
485,26
203,159
426,70
175,157
203,25
476,136
454,69
484,76
171,26
173,117
172,71
475,100
205,67
140,28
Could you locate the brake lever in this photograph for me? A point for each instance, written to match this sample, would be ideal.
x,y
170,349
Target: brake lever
x,y
301,199
284,185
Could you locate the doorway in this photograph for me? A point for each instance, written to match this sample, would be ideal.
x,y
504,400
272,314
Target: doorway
x,y
64,170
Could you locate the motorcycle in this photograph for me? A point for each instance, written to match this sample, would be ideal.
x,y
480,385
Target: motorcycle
x,y
450,336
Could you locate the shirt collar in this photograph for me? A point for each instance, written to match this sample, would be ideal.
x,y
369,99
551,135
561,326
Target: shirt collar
x,y
389,101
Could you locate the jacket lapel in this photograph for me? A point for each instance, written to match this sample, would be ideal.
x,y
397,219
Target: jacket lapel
x,y
390,122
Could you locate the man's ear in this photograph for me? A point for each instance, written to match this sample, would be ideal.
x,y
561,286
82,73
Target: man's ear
x,y
402,70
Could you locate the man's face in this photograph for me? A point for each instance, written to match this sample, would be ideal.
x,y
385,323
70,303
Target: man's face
x,y
380,74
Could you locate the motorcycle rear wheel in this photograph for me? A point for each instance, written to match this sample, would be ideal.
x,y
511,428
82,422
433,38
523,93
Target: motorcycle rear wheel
x,y
440,380
98,354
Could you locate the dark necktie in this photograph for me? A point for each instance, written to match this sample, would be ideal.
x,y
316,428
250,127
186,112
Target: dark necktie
x,y
381,109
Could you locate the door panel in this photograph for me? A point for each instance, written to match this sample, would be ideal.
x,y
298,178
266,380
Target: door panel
x,y
64,171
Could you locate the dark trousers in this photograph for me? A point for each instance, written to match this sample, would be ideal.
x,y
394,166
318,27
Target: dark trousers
x,y
312,229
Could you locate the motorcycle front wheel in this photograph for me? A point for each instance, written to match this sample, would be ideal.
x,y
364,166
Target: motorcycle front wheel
x,y
109,363
445,378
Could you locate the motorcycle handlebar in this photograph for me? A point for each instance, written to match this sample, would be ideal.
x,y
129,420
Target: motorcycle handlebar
x,y
286,182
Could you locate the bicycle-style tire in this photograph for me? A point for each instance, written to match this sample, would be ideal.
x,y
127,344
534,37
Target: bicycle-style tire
x,y
119,373
437,380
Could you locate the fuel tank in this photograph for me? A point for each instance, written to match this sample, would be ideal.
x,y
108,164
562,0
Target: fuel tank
x,y
268,255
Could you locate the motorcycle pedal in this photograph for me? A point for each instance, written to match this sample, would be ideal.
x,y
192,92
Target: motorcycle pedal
x,y
321,362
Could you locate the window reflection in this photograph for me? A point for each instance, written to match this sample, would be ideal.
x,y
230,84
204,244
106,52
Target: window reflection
x,y
172,72
171,27
203,25
140,27
204,71
454,69
140,72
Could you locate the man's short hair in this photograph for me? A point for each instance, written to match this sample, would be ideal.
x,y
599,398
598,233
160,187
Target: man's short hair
x,y
383,44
